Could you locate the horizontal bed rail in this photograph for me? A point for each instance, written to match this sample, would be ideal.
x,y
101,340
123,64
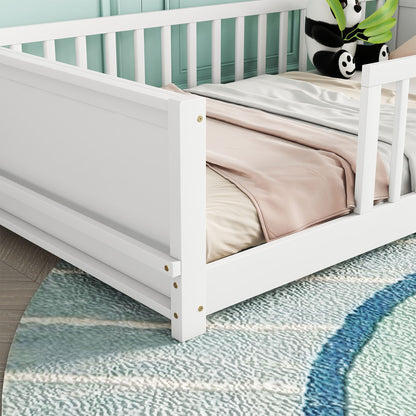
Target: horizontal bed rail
x,y
76,229
373,77
147,20
110,26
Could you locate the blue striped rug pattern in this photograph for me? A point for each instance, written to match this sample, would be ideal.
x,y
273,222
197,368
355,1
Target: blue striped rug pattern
x,y
83,348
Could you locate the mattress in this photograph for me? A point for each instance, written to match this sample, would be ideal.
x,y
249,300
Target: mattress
x,y
232,220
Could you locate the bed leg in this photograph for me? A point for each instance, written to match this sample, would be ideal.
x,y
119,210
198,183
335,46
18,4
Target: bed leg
x,y
188,308
187,141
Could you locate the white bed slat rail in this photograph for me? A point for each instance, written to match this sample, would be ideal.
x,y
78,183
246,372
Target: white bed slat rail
x,y
373,77
81,51
120,23
191,52
367,149
216,51
17,48
402,96
110,53
139,56
49,50
261,44
166,55
239,48
110,26
283,28
303,53
364,9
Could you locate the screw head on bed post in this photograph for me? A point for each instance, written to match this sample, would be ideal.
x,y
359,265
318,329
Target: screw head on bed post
x,y
175,285
175,315
166,268
200,309
200,119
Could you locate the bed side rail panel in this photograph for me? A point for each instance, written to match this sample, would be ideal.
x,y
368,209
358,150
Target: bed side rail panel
x,y
374,76
94,150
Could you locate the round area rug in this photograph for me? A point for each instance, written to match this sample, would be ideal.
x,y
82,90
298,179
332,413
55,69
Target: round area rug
x,y
339,342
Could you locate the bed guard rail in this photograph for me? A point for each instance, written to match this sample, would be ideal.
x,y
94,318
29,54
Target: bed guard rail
x,y
48,33
373,77
74,224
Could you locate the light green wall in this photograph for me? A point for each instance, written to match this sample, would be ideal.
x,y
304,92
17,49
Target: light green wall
x,y
21,12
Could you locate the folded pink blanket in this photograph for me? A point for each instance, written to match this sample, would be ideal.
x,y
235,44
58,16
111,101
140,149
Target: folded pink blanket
x,y
295,174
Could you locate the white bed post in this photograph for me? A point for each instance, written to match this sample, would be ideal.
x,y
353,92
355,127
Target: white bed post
x,y
187,144
399,138
367,143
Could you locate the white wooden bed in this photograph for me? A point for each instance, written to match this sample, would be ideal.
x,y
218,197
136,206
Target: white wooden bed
x,y
109,174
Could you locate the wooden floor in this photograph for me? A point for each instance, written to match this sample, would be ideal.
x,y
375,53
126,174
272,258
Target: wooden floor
x,y
23,266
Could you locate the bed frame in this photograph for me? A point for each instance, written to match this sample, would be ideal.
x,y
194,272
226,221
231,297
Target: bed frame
x,y
109,174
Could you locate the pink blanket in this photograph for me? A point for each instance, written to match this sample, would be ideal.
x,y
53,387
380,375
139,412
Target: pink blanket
x,y
296,175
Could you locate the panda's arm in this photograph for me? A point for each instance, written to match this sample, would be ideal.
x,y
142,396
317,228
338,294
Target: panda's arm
x,y
326,37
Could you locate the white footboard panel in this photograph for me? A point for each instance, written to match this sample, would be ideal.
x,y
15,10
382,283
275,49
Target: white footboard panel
x,y
87,158
85,147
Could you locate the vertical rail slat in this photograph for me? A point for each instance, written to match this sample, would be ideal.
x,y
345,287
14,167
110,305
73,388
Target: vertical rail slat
x,y
239,48
303,53
110,53
399,137
283,36
367,148
17,47
166,55
191,52
364,8
379,3
216,51
81,51
49,50
261,44
139,56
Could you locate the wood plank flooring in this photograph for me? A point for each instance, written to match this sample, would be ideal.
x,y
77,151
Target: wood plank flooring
x,y
23,266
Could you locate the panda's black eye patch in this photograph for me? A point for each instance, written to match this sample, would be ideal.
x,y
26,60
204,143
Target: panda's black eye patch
x,y
344,3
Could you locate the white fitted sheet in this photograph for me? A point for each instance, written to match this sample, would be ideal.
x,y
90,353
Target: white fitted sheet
x,y
232,221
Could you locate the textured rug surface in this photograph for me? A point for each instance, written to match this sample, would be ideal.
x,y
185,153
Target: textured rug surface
x,y
339,342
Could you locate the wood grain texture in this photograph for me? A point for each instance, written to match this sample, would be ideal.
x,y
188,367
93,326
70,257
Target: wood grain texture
x,y
23,256
23,267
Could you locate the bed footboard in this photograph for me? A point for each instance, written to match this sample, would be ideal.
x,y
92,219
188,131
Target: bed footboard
x,y
102,167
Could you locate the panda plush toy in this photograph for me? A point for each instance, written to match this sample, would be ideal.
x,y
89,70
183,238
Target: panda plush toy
x,y
327,48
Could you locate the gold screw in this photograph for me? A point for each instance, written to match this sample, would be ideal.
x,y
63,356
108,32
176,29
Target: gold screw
x,y
175,285
167,268
200,309
200,119
175,315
